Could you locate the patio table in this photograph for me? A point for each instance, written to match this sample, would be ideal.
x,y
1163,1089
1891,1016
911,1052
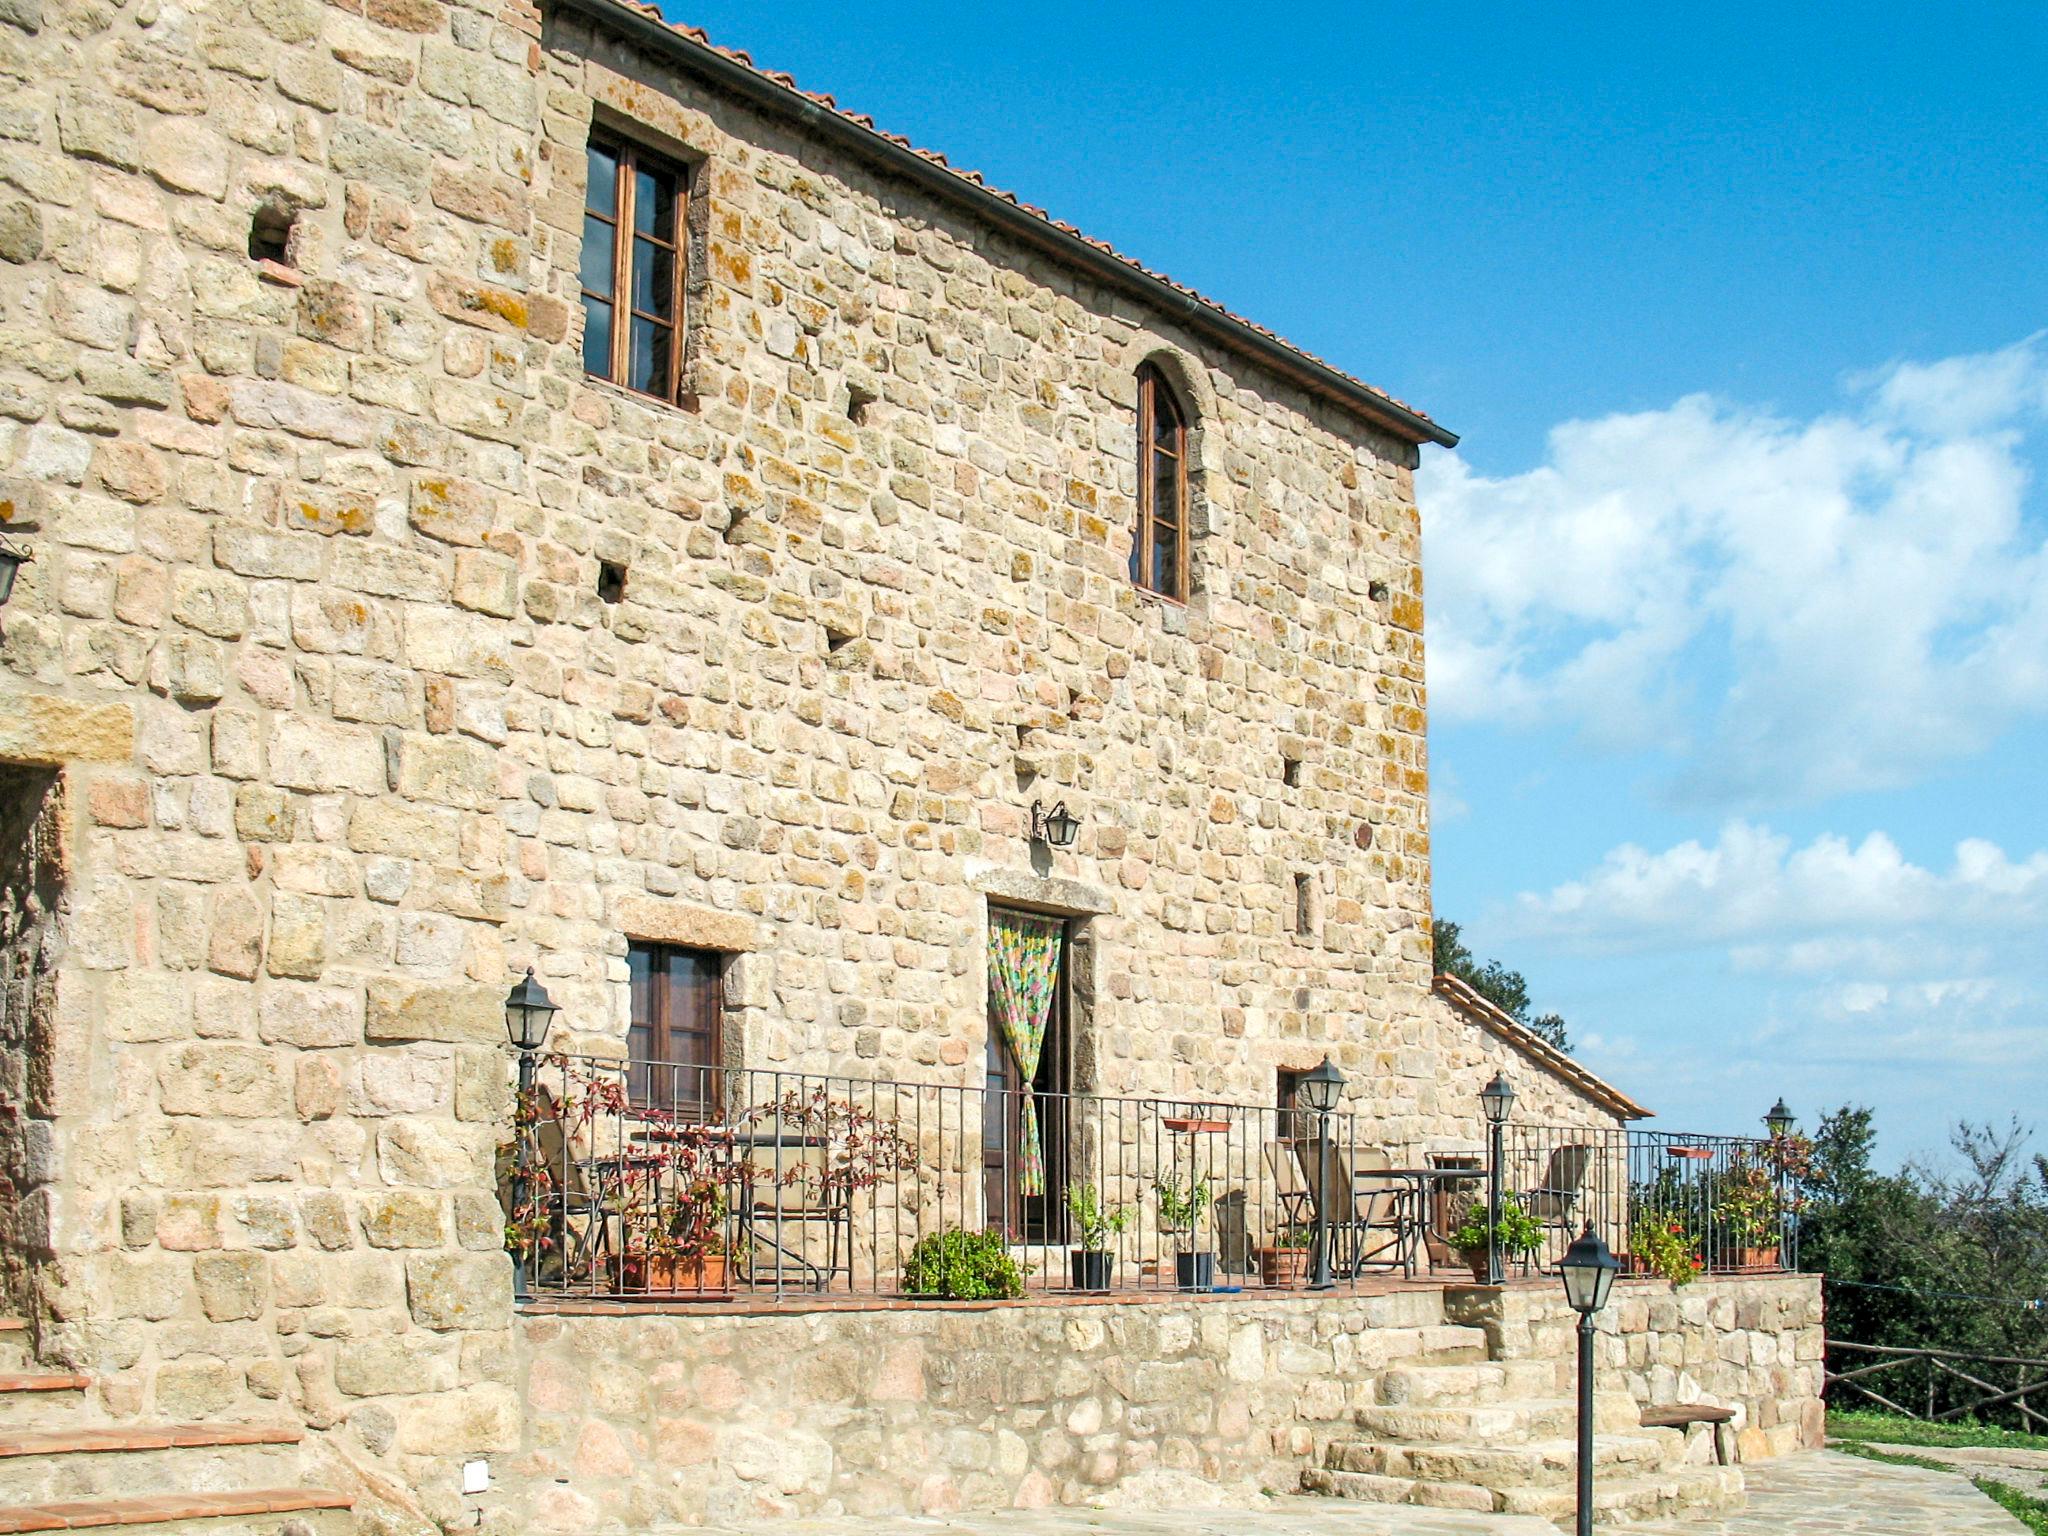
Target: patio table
x,y
1421,1182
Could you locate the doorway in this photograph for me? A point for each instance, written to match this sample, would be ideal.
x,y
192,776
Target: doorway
x,y
1028,1064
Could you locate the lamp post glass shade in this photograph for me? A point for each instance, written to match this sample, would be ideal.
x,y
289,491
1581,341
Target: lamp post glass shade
x,y
1778,1119
528,1013
1321,1089
1588,1269
1498,1099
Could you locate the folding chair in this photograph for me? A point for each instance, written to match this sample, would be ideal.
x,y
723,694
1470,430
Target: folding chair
x,y
785,1184
1557,1202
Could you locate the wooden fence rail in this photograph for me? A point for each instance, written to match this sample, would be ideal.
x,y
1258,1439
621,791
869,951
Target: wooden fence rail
x,y
1943,1385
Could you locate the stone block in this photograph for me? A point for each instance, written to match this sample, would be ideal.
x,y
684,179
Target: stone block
x,y
310,1017
45,729
144,1005
408,1363
400,1008
232,1285
218,1078
397,1219
431,1154
459,1291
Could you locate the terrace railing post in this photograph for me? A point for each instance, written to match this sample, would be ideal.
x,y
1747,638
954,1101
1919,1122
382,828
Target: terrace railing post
x,y
1493,1148
520,1137
1321,1277
1585,1456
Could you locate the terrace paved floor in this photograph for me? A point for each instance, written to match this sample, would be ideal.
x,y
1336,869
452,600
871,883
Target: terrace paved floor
x,y
1822,1493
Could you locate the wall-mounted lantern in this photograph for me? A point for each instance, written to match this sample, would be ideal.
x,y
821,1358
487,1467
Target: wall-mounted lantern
x,y
12,559
1055,828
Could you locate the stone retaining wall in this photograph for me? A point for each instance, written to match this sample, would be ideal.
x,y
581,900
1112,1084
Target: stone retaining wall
x,y
1749,1342
636,1420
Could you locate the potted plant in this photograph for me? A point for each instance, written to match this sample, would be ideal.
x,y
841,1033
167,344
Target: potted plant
x,y
1180,1215
677,1247
1746,1212
1658,1244
963,1266
1284,1262
1093,1265
1517,1233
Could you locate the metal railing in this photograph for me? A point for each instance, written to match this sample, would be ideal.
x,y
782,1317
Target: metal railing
x,y
1665,1202
643,1180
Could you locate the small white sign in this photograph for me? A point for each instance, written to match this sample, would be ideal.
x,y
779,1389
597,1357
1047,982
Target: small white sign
x,y
476,1477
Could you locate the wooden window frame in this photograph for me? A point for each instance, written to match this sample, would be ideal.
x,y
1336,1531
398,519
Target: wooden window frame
x,y
662,1029
632,157
1152,385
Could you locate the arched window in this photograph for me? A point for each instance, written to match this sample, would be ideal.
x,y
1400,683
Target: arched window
x,y
1159,552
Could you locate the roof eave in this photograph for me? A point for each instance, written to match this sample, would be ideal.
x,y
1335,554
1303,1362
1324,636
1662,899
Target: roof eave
x,y
1307,372
1531,1044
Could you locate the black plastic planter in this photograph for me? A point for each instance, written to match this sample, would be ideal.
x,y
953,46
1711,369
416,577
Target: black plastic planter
x,y
1092,1271
1195,1271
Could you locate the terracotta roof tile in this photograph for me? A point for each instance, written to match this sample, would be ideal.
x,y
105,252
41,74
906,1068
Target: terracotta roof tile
x,y
975,179
1533,1045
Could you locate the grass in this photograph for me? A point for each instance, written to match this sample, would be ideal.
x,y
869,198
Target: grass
x,y
1857,1424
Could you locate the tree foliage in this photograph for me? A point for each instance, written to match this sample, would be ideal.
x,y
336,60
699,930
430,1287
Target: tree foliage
x,y
1505,989
1950,1258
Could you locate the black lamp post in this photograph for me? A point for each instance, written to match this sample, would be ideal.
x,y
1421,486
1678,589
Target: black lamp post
x,y
11,561
1497,1098
528,1013
1588,1270
1318,1092
1778,1120
1055,828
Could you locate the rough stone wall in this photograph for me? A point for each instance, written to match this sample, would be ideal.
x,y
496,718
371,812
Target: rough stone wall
x,y
349,737
1750,1342
643,1420
639,1420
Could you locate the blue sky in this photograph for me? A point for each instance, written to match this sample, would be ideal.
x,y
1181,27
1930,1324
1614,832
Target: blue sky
x,y
1738,587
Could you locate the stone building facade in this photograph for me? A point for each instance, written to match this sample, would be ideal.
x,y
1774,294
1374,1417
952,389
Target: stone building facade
x,y
372,651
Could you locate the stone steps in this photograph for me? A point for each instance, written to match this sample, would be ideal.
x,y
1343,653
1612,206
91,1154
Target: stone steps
x,y
1491,1381
1532,1463
34,1399
59,1472
1617,1500
1467,1430
1496,1423
39,1466
250,1512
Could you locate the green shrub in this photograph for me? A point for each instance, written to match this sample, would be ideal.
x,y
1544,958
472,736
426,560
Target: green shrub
x,y
1519,1232
963,1266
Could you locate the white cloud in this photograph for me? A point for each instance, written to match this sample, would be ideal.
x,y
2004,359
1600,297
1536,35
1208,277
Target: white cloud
x,y
1789,609
1828,907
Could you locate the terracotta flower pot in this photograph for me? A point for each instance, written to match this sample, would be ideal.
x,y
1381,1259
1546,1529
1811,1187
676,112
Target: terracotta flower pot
x,y
668,1275
1283,1266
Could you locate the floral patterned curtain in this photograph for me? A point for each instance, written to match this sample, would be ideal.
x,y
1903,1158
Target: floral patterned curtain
x,y
1023,971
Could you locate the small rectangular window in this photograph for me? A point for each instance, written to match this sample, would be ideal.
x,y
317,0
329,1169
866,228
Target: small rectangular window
x,y
632,264
676,1041
1304,904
